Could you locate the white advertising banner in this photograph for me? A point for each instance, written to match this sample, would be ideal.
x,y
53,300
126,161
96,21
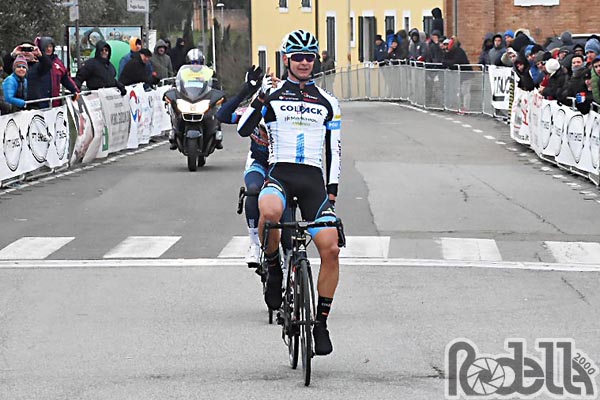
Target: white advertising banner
x,y
99,146
500,78
535,121
519,117
141,117
116,115
161,121
32,139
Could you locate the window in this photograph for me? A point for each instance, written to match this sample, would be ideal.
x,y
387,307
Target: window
x,y
352,40
262,59
331,37
283,4
306,4
367,29
279,66
407,24
427,24
390,23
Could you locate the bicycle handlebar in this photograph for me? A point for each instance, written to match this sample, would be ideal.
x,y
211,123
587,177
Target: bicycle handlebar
x,y
305,225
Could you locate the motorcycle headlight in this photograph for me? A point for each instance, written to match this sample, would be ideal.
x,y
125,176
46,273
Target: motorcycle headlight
x,y
193,108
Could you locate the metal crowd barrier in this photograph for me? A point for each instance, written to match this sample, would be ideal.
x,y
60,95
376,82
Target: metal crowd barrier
x,y
465,89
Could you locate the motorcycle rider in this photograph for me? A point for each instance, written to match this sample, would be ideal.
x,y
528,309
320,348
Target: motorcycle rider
x,y
196,57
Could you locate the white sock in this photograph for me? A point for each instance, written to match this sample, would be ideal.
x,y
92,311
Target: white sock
x,y
253,234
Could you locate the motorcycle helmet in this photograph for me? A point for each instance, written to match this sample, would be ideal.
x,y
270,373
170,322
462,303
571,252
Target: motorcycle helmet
x,y
301,41
195,56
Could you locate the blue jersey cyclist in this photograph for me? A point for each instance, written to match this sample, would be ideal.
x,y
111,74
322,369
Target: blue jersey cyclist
x,y
303,125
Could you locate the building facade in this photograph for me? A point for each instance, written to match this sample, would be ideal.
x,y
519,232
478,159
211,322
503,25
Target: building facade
x,y
471,19
345,28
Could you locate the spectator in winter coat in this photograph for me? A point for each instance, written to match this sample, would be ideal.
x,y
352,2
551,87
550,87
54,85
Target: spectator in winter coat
x,y
98,72
487,45
596,79
15,86
45,77
509,37
416,49
327,63
576,83
592,49
161,62
135,44
508,59
380,50
455,55
566,39
579,49
521,68
497,51
136,70
434,51
394,53
403,44
178,55
556,81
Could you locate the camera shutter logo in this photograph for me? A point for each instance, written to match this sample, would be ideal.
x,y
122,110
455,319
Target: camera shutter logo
x,y
595,142
61,141
558,127
12,145
575,136
546,125
39,138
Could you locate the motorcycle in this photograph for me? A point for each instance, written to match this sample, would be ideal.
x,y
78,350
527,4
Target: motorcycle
x,y
193,104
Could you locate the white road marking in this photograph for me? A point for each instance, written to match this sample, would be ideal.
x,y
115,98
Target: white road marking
x,y
575,252
348,262
142,247
500,142
467,126
356,247
33,248
470,249
477,131
488,137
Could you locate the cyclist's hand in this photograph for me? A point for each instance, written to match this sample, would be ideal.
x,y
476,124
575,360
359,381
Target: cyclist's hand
x,y
267,83
253,78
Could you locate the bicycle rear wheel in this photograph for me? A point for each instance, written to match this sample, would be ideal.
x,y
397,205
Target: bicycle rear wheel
x,y
304,301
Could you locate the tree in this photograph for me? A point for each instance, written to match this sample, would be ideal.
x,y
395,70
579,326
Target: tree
x,y
23,20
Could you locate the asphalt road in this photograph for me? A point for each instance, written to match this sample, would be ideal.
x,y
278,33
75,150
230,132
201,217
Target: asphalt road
x,y
477,242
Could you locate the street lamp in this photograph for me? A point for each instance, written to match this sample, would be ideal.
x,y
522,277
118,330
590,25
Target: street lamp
x,y
221,6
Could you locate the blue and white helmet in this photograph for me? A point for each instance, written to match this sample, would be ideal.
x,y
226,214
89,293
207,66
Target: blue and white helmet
x,y
300,41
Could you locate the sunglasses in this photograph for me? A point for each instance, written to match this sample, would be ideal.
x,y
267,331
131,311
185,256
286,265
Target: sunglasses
x,y
105,50
299,57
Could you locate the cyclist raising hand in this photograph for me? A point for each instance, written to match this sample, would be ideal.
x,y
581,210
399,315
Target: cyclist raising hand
x,y
303,123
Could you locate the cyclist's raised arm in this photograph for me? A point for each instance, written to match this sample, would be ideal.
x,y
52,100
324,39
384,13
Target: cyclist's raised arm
x,y
251,118
333,148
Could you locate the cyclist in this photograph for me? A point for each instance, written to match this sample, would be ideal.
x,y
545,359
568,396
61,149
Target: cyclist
x,y
303,122
257,161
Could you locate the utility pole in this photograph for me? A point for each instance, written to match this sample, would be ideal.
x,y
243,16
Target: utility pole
x,y
203,31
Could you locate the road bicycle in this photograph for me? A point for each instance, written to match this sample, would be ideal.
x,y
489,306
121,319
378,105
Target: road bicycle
x,y
298,310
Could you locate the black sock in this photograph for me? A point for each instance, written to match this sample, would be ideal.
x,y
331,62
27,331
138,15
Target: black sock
x,y
323,308
273,263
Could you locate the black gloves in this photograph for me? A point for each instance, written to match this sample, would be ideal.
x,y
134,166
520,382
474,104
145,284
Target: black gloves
x,y
253,78
121,88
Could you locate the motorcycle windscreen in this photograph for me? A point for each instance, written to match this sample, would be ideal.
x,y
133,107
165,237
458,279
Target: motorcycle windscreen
x,y
193,81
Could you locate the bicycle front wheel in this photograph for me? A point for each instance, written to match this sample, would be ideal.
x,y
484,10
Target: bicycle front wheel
x,y
304,302
292,311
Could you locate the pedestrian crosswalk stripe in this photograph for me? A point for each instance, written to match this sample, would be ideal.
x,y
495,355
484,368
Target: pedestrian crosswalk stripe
x,y
33,248
237,247
574,252
356,247
470,249
142,247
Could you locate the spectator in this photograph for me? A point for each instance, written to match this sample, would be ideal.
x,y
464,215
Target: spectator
x,y
434,51
136,70
394,53
161,62
327,63
565,57
403,43
389,37
509,37
135,44
556,81
592,49
486,46
380,50
521,68
168,51
15,86
579,49
416,49
576,83
3,74
595,77
509,57
566,39
437,24
537,62
521,40
26,49
178,55
497,51
45,77
583,100
98,72
455,55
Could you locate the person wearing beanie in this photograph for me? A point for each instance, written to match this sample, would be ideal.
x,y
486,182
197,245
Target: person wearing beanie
x,y
576,83
596,78
380,51
135,45
136,70
509,37
556,81
15,85
592,49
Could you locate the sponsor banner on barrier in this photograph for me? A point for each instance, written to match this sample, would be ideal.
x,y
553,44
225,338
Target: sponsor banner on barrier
x,y
535,121
161,121
519,117
592,129
86,144
99,146
116,116
32,139
500,78
141,118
